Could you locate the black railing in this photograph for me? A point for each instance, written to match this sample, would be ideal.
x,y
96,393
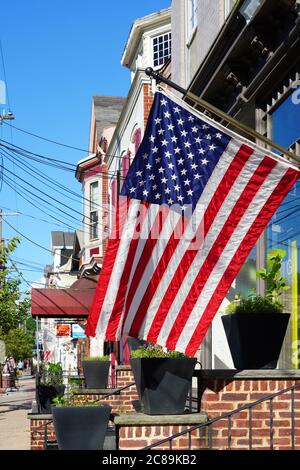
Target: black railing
x,y
208,425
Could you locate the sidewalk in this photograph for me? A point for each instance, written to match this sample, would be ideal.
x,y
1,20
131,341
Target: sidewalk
x,y
14,425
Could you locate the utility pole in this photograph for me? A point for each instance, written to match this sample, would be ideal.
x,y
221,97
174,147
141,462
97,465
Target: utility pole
x,y
9,116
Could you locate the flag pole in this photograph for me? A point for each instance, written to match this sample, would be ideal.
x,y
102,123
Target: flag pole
x,y
221,114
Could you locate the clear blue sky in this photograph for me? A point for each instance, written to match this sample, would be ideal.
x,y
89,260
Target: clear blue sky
x,y
58,54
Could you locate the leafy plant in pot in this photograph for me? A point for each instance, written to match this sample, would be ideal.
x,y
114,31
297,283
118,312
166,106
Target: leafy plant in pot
x,y
95,371
163,379
80,426
49,386
255,327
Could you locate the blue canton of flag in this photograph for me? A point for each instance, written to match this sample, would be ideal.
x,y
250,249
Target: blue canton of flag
x,y
176,158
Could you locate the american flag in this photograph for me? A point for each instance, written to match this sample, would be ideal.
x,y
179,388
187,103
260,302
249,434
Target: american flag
x,y
195,200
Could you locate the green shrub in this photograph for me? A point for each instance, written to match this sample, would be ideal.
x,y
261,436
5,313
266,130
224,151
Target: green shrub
x,y
155,350
258,305
97,358
51,374
68,400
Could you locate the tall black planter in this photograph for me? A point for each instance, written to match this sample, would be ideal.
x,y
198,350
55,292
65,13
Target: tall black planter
x,y
45,395
81,427
255,341
96,373
163,383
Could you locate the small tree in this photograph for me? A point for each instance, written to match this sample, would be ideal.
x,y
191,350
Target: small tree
x,y
18,344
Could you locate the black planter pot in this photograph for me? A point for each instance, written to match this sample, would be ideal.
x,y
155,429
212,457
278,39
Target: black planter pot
x,y
163,383
80,427
255,341
45,394
96,373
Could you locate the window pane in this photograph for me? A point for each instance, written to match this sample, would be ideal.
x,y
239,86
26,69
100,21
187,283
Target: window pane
x,y
94,196
94,225
161,49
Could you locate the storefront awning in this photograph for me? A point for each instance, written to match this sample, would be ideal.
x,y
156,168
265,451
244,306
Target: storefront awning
x,y
73,302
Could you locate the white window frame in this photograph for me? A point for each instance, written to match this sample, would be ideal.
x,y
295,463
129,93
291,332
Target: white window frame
x,y
157,35
191,15
93,211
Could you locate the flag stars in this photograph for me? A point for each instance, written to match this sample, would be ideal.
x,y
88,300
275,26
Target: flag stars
x,y
142,183
190,155
163,102
180,198
208,136
184,133
161,131
138,173
177,110
194,129
168,154
157,121
177,188
154,186
180,161
148,166
177,150
212,147
164,142
157,160
145,192
155,150
184,171
191,118
190,192
204,161
151,138
164,180
161,170
219,135
198,140
194,166
170,201
170,165
167,114
145,156
205,126
174,177
180,122
187,144
197,176
132,190
152,177
174,139
170,127
187,182
157,196
167,190
201,151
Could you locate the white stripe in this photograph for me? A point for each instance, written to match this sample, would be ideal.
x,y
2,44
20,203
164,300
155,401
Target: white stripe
x,y
184,243
232,246
219,221
167,230
111,292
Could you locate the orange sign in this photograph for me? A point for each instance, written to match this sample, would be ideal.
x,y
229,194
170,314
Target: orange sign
x,y
63,330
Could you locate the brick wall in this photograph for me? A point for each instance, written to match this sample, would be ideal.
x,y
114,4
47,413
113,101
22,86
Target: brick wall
x,y
148,100
137,437
37,430
222,396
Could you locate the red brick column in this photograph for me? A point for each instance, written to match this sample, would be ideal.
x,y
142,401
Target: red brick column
x,y
37,431
148,100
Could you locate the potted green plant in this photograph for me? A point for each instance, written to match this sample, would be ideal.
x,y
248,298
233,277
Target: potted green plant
x,y
163,379
80,426
255,327
95,371
49,386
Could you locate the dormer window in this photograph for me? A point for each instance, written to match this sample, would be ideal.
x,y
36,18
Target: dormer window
x,y
161,49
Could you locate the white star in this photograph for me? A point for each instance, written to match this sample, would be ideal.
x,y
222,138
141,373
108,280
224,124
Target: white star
x,y
152,177
145,192
177,150
208,137
170,127
194,166
205,126
190,155
212,147
184,133
164,180
197,176
177,187
148,166
170,165
180,161
142,183
155,150
132,190
138,173
157,160
157,121
167,190
168,154
204,161
191,118
201,151
187,182
219,135
174,177
194,129
184,171
145,156
187,144
180,121
161,131
154,186
177,110
151,138
190,192
180,198
170,201
161,170
167,114
174,139
157,196
164,142
198,140
163,102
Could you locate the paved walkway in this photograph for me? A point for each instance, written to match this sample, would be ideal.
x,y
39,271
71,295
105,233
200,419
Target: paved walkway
x,y
14,425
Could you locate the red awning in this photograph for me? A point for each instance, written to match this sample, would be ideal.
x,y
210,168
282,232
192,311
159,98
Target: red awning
x,y
72,302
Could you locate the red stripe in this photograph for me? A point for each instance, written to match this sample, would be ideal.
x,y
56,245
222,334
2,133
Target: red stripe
x,y
243,202
240,257
115,317
144,258
108,264
212,210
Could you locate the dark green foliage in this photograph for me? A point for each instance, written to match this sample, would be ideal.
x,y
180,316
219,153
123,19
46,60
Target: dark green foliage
x,y
155,350
98,358
257,305
51,374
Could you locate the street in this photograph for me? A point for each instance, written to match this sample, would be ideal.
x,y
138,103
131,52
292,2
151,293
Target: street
x,y
14,425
